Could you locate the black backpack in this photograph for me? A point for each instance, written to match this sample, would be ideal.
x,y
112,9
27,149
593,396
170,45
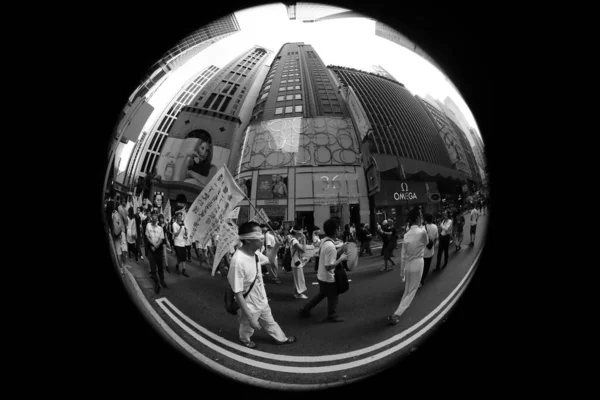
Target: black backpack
x,y
287,259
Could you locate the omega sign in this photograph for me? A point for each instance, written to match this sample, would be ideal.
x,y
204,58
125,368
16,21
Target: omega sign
x,y
405,195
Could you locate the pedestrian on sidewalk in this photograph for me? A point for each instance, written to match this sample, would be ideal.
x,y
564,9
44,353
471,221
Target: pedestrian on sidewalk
x,y
316,241
432,232
474,218
388,254
298,262
132,231
459,223
167,246
365,237
117,232
326,276
156,240
180,237
411,263
244,272
139,217
384,237
446,234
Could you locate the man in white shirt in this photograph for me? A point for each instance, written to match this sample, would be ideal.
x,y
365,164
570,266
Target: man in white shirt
x,y
298,262
413,250
432,232
326,274
474,218
254,312
156,239
445,236
180,239
272,247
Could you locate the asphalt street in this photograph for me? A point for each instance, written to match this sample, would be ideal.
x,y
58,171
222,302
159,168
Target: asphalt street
x,y
193,308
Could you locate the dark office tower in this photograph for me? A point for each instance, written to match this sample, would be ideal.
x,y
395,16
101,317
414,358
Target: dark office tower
x,y
475,176
411,164
300,157
298,85
401,128
147,149
185,50
451,139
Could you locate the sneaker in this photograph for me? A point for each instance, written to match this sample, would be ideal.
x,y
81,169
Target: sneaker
x,y
303,296
184,273
142,257
300,296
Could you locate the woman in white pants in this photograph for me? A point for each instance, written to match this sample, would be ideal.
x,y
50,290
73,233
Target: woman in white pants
x,y
298,262
411,261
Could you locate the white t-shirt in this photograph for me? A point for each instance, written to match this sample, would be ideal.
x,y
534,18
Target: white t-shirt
x,y
432,231
270,244
131,230
474,216
328,256
296,254
180,240
242,272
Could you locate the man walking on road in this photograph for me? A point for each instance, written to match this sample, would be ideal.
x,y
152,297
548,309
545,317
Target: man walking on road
x,y
246,280
432,232
154,251
411,259
444,241
474,218
326,275
180,237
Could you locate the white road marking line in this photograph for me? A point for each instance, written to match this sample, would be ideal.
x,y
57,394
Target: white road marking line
x,y
326,358
215,365
310,370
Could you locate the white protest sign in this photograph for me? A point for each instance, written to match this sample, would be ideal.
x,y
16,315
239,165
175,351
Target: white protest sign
x,y
167,212
213,205
228,237
235,213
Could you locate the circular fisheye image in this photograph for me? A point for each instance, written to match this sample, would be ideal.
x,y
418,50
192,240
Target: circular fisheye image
x,y
297,196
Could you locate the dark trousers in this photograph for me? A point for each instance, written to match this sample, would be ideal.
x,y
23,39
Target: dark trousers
x,y
132,247
188,250
443,247
385,244
155,258
365,247
427,264
326,290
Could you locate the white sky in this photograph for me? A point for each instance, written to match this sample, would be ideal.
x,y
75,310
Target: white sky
x,y
347,42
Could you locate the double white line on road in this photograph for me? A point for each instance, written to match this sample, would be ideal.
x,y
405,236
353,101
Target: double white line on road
x,y
420,327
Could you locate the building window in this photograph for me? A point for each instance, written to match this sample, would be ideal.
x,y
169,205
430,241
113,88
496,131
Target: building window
x,y
264,96
292,88
298,97
284,81
279,110
337,109
210,100
289,97
282,89
298,108
297,87
280,98
266,88
288,110
225,104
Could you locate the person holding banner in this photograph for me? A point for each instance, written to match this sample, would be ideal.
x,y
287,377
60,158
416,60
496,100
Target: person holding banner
x,y
244,276
298,262
180,236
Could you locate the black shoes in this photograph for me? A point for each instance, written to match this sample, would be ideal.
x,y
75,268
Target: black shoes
x,y
184,273
164,284
157,289
177,269
336,319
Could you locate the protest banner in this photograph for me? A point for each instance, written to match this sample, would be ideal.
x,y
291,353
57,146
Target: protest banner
x,y
235,213
261,217
212,206
228,237
167,212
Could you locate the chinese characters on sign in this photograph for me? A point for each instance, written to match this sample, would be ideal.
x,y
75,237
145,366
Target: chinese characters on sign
x,y
228,237
212,206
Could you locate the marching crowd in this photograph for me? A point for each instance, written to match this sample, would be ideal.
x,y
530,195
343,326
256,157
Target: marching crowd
x,y
264,250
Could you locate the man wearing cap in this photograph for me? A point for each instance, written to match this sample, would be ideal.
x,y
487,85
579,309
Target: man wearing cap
x,y
156,238
247,283
180,237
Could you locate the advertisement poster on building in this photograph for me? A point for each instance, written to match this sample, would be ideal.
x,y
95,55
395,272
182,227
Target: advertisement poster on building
x,y
194,161
272,187
245,184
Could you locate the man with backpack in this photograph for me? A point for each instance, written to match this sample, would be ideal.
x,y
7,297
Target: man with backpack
x,y
326,276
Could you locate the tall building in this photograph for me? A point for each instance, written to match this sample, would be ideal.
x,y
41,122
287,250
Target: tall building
x,y
404,144
475,175
387,32
147,149
300,156
459,118
185,50
313,12
211,116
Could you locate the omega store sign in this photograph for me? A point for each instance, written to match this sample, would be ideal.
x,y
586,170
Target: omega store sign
x,y
394,193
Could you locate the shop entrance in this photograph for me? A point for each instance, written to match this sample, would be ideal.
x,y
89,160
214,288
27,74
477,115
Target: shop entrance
x,y
355,214
306,219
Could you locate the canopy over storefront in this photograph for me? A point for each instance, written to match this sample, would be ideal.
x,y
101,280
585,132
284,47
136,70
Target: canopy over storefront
x,y
415,169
